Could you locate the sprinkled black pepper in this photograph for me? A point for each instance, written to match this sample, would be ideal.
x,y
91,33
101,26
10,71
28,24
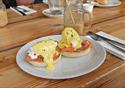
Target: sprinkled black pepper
x,y
71,35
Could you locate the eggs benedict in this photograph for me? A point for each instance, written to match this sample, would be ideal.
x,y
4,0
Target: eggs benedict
x,y
102,1
44,53
71,45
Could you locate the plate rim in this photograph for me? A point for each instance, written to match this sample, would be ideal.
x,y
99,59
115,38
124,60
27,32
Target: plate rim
x,y
69,77
50,15
108,5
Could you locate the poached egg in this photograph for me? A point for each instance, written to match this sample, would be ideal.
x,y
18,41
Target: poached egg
x,y
70,38
46,49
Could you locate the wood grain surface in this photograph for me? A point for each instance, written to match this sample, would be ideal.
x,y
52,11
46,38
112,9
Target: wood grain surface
x,y
21,30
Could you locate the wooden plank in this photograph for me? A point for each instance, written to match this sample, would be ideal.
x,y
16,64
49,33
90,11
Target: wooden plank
x,y
22,32
105,14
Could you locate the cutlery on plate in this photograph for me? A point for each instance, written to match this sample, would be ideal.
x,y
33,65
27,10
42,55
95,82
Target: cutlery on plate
x,y
116,44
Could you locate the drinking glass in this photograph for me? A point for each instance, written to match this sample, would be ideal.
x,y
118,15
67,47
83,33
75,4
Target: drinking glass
x,y
78,16
88,7
56,6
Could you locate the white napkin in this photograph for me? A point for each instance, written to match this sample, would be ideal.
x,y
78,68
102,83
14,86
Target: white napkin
x,y
111,49
29,10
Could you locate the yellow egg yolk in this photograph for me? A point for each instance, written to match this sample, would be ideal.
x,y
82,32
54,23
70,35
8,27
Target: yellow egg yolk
x,y
70,38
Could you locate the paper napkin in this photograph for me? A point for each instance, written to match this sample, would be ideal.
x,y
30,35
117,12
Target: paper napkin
x,y
111,49
22,8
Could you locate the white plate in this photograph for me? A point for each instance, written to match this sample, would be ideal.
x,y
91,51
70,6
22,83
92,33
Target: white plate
x,y
66,67
47,12
110,4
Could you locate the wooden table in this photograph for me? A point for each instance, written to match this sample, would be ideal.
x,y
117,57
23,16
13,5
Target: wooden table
x,y
22,29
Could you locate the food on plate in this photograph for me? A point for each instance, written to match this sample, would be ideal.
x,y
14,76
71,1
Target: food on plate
x,y
71,45
44,53
102,1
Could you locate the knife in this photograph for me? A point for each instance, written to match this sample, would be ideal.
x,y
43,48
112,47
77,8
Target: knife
x,y
116,44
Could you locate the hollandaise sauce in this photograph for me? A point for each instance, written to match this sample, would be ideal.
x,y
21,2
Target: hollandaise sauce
x,y
46,49
70,38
